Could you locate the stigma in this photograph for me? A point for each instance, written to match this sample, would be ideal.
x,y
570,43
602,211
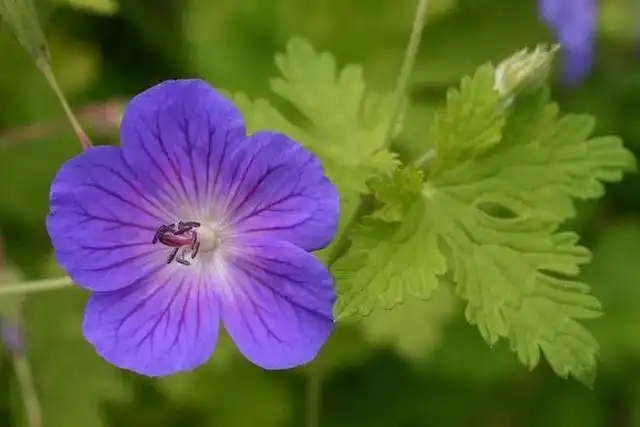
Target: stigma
x,y
186,240
210,239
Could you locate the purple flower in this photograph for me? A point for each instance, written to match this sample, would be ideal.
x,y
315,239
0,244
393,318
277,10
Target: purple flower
x,y
193,222
574,24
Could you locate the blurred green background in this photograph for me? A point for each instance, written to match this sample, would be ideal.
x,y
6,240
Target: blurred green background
x,y
420,365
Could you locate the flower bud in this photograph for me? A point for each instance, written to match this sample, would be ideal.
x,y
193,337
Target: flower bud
x,y
524,71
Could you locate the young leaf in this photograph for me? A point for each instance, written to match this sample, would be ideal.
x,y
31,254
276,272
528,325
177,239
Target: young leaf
x,y
347,123
480,104
487,215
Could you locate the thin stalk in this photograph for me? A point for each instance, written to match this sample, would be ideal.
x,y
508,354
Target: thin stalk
x,y
46,70
421,161
24,376
407,65
314,392
36,286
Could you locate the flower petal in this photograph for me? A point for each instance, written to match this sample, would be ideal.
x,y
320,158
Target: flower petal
x,y
577,64
102,224
276,302
574,23
279,191
163,325
163,126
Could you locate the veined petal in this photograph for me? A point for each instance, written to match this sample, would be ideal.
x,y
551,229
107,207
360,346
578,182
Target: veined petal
x,y
163,126
278,190
101,222
165,324
276,303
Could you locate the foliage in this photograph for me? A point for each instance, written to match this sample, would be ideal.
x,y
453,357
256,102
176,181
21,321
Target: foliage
x,y
487,213
476,231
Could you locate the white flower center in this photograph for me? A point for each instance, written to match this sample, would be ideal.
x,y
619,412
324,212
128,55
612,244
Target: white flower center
x,y
210,238
190,241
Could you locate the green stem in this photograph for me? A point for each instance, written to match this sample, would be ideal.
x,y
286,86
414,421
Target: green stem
x,y
35,286
46,70
399,94
30,400
22,371
314,392
421,161
343,241
407,65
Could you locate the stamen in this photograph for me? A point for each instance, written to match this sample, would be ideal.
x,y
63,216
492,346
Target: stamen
x,y
182,238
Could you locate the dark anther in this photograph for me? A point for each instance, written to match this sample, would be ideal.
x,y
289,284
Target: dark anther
x,y
182,238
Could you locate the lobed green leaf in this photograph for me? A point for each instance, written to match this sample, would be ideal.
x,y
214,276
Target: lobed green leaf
x,y
487,215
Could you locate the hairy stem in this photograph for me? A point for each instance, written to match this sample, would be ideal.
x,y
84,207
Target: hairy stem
x,y
36,286
407,65
46,70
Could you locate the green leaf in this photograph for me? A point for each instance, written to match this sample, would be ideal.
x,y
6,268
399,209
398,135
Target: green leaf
x,y
488,216
386,261
480,104
343,123
543,162
397,193
346,123
72,380
22,18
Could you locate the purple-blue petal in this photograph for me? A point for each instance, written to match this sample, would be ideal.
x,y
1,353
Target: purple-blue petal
x,y
277,303
164,325
577,64
185,156
574,23
164,126
278,190
101,222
